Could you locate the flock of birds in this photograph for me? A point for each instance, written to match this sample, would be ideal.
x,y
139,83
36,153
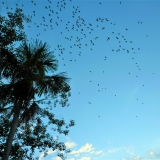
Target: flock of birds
x,y
76,30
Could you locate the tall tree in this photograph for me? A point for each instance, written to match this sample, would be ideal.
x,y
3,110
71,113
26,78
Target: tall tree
x,y
25,69
11,31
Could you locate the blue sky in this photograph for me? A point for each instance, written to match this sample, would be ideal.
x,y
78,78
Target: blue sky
x,y
111,52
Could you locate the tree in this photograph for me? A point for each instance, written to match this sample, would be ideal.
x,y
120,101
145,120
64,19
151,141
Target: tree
x,y
12,27
11,31
25,69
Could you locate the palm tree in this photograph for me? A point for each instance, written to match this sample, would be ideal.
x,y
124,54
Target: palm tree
x,y
26,70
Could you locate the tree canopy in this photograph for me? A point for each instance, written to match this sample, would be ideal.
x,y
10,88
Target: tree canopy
x,y
29,89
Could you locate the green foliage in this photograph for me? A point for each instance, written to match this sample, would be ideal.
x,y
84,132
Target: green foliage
x,y
12,27
23,85
33,135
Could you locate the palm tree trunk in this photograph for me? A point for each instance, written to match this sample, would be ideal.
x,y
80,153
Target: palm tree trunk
x,y
11,134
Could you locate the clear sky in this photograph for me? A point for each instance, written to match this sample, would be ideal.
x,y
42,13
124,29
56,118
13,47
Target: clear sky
x,y
111,52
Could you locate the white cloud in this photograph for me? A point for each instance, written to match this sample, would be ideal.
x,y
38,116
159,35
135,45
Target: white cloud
x,y
92,152
151,153
70,144
48,152
41,156
98,152
136,158
85,158
57,158
114,150
51,151
148,155
83,149
81,153
130,151
86,152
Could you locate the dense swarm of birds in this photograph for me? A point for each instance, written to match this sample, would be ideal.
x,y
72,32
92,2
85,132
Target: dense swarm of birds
x,y
75,31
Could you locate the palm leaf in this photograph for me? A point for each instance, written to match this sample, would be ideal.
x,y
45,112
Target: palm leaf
x,y
52,84
37,56
30,112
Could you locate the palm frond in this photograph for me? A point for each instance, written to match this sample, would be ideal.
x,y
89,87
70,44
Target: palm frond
x,y
36,58
30,112
44,56
53,84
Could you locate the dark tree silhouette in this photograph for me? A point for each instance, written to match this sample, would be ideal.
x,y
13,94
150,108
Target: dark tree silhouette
x,y
24,79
